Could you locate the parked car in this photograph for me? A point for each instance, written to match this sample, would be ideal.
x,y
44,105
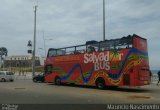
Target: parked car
x,y
39,78
6,76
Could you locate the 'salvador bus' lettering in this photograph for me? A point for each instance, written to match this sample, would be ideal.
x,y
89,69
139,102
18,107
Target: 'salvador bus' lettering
x,y
101,61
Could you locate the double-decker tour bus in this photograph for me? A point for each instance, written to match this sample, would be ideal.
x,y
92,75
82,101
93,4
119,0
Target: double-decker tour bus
x,y
115,62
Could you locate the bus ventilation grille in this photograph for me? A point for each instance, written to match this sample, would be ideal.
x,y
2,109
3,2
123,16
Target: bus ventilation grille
x,y
126,79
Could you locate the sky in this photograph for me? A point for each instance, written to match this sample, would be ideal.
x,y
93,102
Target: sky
x,y
73,22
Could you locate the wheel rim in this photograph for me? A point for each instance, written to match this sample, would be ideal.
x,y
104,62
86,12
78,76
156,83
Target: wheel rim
x,y
100,85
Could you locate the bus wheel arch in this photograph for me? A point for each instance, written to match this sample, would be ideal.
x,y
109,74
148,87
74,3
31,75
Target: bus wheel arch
x,y
57,80
100,83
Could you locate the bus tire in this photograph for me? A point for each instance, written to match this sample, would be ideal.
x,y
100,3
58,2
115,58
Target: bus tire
x,y
57,81
100,83
34,80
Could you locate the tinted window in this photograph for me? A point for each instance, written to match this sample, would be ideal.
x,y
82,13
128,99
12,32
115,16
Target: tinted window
x,y
60,52
9,73
2,73
52,53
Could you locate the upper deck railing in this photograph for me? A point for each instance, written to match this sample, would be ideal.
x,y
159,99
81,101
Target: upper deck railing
x,y
90,46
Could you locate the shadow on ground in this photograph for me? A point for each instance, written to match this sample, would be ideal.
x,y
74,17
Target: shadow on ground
x,y
121,89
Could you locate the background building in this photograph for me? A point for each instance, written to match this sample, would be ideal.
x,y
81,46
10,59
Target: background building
x,y
21,61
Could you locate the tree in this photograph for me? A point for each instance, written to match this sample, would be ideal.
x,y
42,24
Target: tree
x,y
3,52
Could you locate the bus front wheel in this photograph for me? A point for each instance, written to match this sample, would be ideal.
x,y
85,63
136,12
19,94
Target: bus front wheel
x,y
57,81
100,83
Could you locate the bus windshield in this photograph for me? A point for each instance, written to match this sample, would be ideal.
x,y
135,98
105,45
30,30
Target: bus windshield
x,y
55,52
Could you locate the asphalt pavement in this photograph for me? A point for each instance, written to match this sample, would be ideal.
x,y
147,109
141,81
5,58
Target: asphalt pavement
x,y
24,91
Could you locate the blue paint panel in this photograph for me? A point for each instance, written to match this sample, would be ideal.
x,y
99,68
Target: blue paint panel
x,y
76,67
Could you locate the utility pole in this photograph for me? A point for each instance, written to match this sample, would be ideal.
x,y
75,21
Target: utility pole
x,y
44,44
34,41
104,34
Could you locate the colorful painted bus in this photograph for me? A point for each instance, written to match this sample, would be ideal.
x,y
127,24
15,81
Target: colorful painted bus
x,y
112,63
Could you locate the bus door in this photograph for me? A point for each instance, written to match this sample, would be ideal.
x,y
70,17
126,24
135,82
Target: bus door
x,y
144,75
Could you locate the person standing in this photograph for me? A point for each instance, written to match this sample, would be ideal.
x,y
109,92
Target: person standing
x,y
150,75
158,77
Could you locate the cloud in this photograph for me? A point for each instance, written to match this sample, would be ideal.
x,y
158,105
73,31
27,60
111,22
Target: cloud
x,y
73,22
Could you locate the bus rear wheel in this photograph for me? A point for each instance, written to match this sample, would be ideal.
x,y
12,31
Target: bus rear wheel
x,y
57,81
100,83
